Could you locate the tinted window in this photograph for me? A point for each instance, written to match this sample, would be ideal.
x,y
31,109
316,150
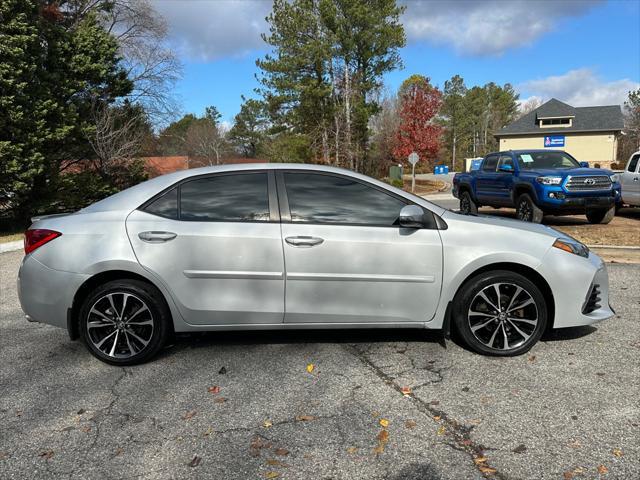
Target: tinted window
x,y
166,205
226,198
550,159
633,163
334,199
489,164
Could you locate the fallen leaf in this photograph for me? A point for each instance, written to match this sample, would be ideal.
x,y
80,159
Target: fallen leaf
x,y
379,449
258,443
189,415
575,444
487,470
47,454
310,368
479,460
383,436
18,413
406,391
119,451
532,358
81,411
222,371
275,463
384,422
578,470
437,418
600,374
520,448
567,475
602,470
219,400
441,430
272,474
267,424
465,389
4,456
617,452
410,424
208,432
434,402
281,451
214,389
195,461
86,429
352,450
305,418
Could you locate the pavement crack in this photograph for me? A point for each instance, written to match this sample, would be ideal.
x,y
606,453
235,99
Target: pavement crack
x,y
460,435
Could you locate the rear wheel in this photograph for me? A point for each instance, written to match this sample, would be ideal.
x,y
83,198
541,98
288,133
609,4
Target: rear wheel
x,y
467,205
527,210
601,215
125,322
500,313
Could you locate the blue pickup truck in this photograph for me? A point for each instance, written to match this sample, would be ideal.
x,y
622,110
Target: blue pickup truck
x,y
539,182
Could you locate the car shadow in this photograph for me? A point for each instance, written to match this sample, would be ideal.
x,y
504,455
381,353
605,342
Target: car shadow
x,y
570,333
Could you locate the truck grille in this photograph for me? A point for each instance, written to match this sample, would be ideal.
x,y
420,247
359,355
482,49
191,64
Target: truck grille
x,y
588,183
593,300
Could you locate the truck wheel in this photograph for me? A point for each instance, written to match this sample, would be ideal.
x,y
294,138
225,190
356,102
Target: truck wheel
x,y
467,205
601,215
527,210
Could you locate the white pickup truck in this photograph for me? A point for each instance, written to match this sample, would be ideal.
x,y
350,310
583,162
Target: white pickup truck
x,y
630,181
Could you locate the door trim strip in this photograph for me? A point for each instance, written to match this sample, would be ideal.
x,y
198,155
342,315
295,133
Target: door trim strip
x,y
347,277
223,274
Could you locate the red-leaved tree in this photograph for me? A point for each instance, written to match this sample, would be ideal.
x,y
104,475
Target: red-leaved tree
x,y
420,102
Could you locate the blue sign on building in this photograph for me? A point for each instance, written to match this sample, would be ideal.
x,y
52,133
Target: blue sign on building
x,y
554,141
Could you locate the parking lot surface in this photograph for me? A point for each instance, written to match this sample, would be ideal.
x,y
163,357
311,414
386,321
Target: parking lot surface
x,y
396,404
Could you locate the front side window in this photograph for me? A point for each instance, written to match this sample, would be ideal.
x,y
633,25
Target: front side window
x,y
505,160
318,198
551,159
226,198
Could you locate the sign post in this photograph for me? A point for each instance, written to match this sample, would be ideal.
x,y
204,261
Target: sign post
x,y
413,159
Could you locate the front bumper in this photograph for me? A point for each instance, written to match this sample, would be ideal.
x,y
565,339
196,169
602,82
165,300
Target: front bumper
x,y
45,294
571,279
557,199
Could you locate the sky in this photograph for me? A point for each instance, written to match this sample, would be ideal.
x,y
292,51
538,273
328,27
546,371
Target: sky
x,y
583,52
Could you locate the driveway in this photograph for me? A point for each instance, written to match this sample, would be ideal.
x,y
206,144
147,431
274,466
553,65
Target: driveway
x,y
323,404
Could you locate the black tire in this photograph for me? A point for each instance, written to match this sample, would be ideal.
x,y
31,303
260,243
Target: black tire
x,y
601,215
527,210
467,205
506,334
151,325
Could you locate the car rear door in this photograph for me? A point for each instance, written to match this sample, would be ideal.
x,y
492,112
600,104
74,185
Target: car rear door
x,y
485,180
215,242
630,181
347,261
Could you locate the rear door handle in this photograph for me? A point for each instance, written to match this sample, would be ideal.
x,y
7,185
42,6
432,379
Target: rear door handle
x,y
303,241
156,237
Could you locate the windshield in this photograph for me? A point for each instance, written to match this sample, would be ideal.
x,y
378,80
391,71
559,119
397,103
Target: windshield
x,y
550,159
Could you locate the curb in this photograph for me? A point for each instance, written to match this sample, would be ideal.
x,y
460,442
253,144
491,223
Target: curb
x,y
11,246
615,247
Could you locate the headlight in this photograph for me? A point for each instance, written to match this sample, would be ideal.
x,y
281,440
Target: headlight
x,y
572,246
615,178
549,180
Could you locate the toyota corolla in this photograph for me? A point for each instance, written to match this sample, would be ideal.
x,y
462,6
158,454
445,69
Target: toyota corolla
x,y
298,247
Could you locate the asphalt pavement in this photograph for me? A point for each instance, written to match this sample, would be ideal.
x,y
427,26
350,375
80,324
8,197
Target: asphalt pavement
x,y
249,405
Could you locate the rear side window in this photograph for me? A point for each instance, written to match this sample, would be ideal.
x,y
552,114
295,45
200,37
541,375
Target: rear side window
x,y
633,164
165,206
226,198
317,198
489,164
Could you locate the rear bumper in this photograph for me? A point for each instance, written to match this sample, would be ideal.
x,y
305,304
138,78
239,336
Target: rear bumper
x,y
46,294
571,279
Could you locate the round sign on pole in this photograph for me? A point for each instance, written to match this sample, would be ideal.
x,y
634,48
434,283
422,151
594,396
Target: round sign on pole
x,y
413,158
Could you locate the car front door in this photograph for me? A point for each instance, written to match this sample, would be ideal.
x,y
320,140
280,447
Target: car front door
x,y
503,180
215,242
485,180
630,181
347,260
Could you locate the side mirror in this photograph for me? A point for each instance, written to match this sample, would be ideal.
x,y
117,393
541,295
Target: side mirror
x,y
584,164
411,216
506,168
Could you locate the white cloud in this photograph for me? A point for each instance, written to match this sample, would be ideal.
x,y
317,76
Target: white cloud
x,y
579,88
213,29
487,27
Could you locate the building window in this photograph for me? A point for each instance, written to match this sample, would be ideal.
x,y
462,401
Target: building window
x,y
555,122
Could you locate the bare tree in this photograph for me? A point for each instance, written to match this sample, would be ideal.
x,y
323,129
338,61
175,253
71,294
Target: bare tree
x,y
529,106
207,141
117,137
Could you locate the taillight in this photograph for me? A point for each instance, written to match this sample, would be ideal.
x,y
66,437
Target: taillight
x,y
38,237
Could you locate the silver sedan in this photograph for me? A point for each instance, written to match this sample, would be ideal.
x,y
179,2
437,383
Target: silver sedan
x,y
298,247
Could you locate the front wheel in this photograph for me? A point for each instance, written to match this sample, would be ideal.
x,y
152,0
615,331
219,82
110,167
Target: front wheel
x,y
527,210
500,313
601,215
125,322
467,205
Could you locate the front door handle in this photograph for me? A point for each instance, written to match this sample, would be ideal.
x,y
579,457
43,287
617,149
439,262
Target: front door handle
x,y
303,241
156,237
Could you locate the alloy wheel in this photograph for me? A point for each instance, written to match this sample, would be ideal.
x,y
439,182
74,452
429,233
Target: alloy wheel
x,y
503,316
525,212
120,325
465,206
